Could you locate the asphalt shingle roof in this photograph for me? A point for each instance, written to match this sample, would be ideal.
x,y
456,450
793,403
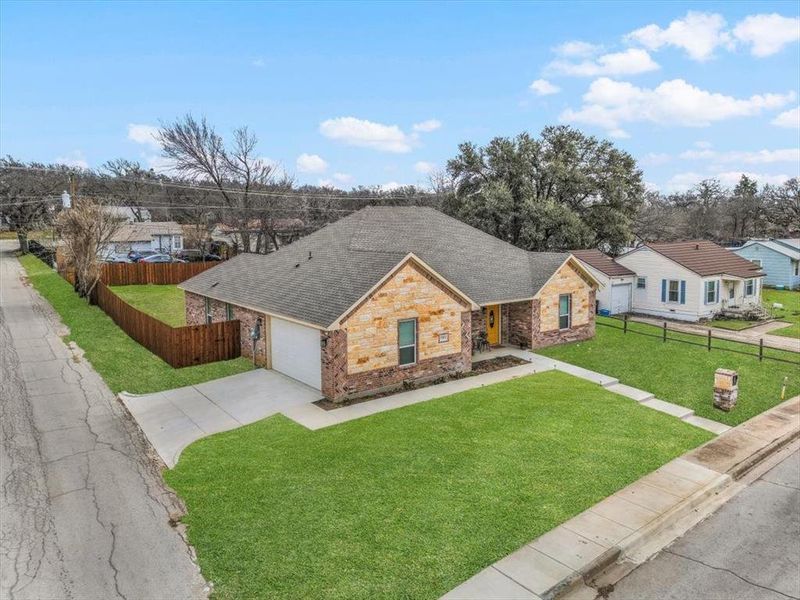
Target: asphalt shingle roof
x,y
318,277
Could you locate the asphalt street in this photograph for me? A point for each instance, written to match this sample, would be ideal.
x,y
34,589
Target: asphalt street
x,y
83,511
748,550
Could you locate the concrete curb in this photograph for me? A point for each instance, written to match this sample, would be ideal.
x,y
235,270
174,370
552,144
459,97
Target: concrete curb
x,y
608,540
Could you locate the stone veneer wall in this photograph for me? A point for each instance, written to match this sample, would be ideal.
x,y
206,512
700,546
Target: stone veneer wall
x,y
566,281
338,384
575,333
196,315
411,293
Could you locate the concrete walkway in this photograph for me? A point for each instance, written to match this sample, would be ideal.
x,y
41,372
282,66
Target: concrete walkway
x,y
747,336
625,524
173,419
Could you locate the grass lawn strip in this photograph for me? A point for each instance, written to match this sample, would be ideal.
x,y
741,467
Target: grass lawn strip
x,y
121,362
164,302
411,502
680,373
733,324
789,313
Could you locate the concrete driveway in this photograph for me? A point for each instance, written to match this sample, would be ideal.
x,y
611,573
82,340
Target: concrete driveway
x,y
173,419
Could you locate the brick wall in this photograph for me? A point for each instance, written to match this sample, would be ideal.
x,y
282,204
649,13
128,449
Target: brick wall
x,y
338,383
196,315
520,323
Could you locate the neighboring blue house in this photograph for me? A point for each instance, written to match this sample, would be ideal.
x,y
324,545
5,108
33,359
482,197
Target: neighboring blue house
x,y
779,259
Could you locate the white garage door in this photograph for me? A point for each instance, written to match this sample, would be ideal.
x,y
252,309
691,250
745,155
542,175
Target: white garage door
x,y
620,298
296,352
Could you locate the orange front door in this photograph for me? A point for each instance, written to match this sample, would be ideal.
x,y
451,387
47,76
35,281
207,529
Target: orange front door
x,y
493,324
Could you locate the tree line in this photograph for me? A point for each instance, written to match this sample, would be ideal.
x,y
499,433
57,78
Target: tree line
x,y
559,190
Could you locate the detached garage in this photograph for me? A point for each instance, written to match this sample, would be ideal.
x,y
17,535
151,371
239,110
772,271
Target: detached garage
x,y
614,297
295,351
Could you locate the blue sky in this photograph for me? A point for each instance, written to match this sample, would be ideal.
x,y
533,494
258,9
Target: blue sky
x,y
381,93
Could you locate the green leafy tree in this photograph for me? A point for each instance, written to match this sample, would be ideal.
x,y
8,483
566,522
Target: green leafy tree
x,y
561,190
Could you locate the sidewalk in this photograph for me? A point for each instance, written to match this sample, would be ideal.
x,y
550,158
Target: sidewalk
x,y
747,336
626,524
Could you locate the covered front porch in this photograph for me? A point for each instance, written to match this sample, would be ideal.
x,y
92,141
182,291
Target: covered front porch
x,y
503,324
739,296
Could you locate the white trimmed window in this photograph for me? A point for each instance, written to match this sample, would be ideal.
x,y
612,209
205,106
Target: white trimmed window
x,y
407,341
177,242
711,292
757,262
564,311
673,290
641,283
750,287
229,312
209,314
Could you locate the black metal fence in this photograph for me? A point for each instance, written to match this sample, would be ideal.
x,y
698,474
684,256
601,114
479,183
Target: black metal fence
x,y
664,336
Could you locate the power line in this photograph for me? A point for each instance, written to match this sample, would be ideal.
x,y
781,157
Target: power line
x,y
218,190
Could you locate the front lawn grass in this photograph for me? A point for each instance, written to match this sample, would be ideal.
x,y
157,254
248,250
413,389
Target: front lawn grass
x,y
411,502
164,302
789,313
683,373
121,362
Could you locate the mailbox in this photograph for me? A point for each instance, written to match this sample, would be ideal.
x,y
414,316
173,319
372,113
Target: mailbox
x,y
726,389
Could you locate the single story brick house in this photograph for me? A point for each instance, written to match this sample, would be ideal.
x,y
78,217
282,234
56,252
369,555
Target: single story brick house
x,y
389,295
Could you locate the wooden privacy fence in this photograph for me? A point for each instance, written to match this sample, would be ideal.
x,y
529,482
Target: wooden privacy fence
x,y
156,273
177,346
693,340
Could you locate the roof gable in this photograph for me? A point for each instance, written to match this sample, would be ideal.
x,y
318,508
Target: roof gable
x,y
602,262
320,276
774,246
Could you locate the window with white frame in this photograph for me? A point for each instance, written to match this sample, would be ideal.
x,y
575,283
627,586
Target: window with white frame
x,y
177,242
750,287
711,292
641,283
757,262
673,290
229,312
407,341
796,268
209,314
564,311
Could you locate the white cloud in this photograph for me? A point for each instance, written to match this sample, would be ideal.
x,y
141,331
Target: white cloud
x,y
73,159
656,158
367,134
609,103
144,134
390,186
767,34
258,63
787,155
311,163
427,126
337,180
629,62
698,34
680,182
424,167
789,119
542,87
619,133
577,48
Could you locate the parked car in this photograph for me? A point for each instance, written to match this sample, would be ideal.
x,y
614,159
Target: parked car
x,y
117,258
196,256
137,255
161,258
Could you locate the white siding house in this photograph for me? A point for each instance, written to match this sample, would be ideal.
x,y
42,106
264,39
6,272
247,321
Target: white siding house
x,y
160,236
691,281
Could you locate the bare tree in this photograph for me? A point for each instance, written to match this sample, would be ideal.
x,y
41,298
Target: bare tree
x,y
86,229
132,183
29,195
201,155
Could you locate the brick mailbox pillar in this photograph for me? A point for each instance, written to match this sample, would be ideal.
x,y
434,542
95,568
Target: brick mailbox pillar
x,y
726,389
